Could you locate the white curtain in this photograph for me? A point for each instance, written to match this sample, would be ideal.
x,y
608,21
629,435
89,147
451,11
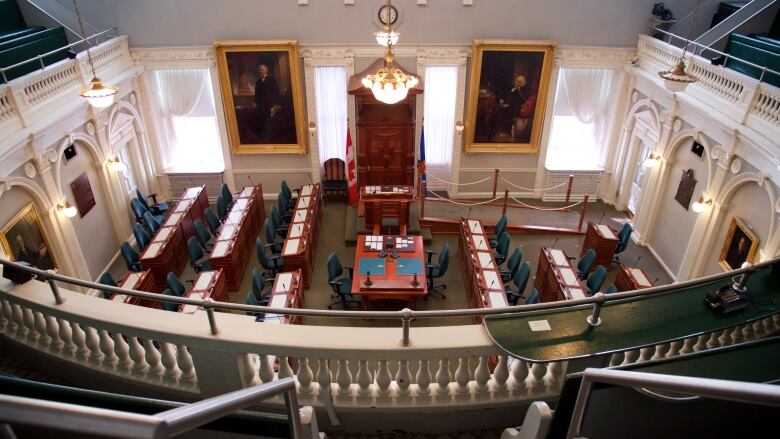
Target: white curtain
x,y
439,121
587,92
330,91
183,93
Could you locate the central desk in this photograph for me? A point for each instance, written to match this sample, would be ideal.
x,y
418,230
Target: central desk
x,y
391,279
556,279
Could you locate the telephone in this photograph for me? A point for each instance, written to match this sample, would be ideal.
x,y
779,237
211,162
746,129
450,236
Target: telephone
x,y
726,300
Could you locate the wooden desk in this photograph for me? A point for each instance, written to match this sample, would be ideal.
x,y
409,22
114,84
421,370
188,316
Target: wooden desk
x,y
556,279
483,279
142,281
629,279
235,241
167,250
300,245
603,240
286,293
393,283
207,284
386,201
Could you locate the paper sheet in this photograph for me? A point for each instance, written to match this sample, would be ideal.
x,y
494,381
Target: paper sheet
x,y
569,277
497,299
486,260
291,247
241,203
283,282
274,319
152,250
234,217
227,231
299,216
559,257
492,281
278,301
221,248
480,242
130,281
192,192
182,205
163,234
475,227
539,325
640,277
173,219
189,309
606,231
246,192
576,293
303,203
296,230
306,190
204,279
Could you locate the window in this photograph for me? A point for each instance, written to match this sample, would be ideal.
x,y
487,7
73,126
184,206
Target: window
x,y
580,129
330,90
189,136
441,84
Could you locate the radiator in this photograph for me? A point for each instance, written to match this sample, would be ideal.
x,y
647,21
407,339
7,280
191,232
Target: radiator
x,y
584,183
179,182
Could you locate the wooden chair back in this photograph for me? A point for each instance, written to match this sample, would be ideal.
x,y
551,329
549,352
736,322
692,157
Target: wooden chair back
x,y
334,170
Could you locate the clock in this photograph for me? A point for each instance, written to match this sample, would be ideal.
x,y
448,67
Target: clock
x,y
387,14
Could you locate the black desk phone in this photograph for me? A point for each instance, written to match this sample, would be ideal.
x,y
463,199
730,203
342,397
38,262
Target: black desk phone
x,y
726,300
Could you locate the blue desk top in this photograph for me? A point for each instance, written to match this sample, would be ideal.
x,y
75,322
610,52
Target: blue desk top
x,y
375,265
409,266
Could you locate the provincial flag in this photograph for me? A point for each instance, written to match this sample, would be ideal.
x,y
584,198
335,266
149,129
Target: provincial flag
x,y
423,177
351,171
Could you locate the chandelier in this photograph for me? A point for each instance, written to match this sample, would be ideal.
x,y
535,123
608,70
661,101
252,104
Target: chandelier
x,y
677,78
97,93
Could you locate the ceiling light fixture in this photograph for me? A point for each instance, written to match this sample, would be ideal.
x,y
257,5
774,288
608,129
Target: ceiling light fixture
x,y
97,93
389,84
677,78
386,36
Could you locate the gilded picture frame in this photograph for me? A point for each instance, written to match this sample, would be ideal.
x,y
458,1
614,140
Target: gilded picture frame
x,y
740,246
23,240
263,108
508,95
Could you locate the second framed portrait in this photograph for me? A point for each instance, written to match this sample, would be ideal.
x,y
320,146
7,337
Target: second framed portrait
x,y
23,240
508,95
261,92
740,246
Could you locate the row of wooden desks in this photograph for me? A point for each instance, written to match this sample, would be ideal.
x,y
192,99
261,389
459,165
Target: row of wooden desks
x,y
206,284
389,267
235,239
286,293
166,251
484,286
556,279
300,244
140,281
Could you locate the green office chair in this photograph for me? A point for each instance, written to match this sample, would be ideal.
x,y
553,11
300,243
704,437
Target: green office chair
x,y
221,208
170,306
585,263
596,280
107,279
196,256
434,271
270,237
623,236
177,288
276,221
521,281
611,288
272,264
227,196
258,285
138,210
141,237
287,192
212,219
156,208
151,223
203,235
251,299
499,229
512,264
533,297
341,286
502,248
132,260
285,206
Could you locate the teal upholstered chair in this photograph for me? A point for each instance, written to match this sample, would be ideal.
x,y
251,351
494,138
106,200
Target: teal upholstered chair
x,y
170,306
222,209
197,261
270,237
502,248
512,264
212,219
227,196
276,221
596,280
585,263
341,285
132,260
499,229
611,288
107,279
203,235
177,288
520,280
141,237
151,223
437,270
272,263
623,236
533,297
156,208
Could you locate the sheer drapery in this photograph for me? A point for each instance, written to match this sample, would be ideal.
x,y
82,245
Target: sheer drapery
x,y
330,91
439,121
189,138
581,118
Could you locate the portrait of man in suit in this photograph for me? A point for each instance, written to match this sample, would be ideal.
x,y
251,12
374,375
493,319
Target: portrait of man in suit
x,y
740,246
23,240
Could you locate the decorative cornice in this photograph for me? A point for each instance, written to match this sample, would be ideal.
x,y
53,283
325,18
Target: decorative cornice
x,y
582,56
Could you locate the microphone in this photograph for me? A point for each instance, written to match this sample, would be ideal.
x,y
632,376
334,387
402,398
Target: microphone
x,y
491,284
656,281
637,262
469,215
250,180
555,243
368,279
310,180
602,216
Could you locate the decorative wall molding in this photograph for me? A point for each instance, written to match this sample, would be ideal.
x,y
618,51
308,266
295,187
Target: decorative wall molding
x,y
162,57
596,57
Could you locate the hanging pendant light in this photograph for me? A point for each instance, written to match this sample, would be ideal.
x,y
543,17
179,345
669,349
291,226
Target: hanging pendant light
x,y
386,36
677,79
97,93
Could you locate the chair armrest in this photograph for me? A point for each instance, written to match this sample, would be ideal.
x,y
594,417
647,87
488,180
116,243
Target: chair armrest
x,y
351,271
571,258
273,257
430,255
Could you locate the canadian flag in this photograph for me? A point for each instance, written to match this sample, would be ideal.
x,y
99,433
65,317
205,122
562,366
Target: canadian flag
x,y
351,172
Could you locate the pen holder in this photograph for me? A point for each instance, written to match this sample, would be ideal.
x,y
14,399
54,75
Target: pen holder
x,y
368,281
415,282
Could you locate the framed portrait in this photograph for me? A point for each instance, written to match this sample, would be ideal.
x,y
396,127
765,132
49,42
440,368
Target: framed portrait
x,y
508,95
261,92
23,240
740,246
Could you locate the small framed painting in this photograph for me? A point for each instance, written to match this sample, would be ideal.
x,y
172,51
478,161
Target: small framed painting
x,y
23,240
740,246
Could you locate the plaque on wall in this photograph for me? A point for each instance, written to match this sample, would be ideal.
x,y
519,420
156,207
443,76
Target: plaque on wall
x,y
685,189
82,193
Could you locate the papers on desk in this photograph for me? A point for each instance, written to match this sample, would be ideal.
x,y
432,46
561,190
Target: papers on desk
x,y
497,299
118,298
227,231
373,189
480,242
475,227
640,277
173,219
246,192
130,281
182,205
492,281
200,295
204,280
274,319
192,192
234,217
221,248
299,216
486,260
278,301
374,242
241,204
152,251
306,190
606,231
164,233
283,282
295,230
303,203
291,247
559,257
568,275
576,293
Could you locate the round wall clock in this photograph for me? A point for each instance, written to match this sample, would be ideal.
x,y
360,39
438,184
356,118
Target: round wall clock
x,y
387,14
